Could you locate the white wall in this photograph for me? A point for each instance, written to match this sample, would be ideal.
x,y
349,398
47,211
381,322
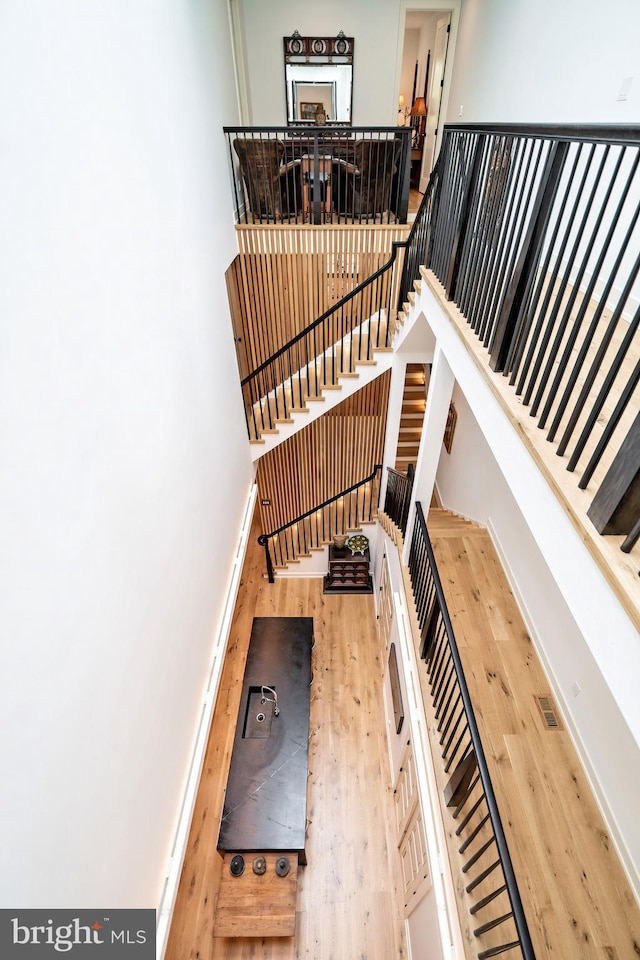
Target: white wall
x,y
607,747
546,61
122,486
373,23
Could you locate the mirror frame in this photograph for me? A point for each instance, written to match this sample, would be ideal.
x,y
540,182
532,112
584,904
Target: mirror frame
x,y
317,51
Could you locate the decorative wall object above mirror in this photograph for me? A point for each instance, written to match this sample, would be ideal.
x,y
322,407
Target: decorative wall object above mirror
x,y
318,71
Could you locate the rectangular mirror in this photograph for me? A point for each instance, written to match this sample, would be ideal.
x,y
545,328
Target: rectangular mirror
x,y
318,79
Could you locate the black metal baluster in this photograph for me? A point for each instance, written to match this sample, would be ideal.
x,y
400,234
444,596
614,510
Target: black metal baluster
x,y
612,423
608,381
546,277
575,286
516,293
603,299
518,250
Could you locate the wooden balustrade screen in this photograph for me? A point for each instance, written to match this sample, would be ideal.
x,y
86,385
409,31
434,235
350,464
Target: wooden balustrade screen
x,y
329,455
284,278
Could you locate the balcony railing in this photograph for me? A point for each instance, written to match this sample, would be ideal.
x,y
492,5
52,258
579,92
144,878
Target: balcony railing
x,y
397,498
535,237
490,883
320,175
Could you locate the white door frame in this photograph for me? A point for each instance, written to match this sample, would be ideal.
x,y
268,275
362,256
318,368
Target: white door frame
x,y
236,27
430,6
435,117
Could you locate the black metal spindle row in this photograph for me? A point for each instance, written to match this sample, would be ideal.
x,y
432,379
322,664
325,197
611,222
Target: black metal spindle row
x,y
344,512
486,862
328,348
398,496
320,174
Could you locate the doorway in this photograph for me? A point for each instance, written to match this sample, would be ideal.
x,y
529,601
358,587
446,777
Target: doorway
x,y
425,62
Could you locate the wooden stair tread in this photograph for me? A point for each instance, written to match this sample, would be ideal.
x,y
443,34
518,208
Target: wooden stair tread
x,y
411,417
442,523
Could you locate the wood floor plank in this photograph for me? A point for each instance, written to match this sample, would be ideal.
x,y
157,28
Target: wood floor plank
x,y
349,902
575,894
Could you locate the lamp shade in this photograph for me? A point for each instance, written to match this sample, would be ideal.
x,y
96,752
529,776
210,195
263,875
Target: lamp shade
x,y
419,108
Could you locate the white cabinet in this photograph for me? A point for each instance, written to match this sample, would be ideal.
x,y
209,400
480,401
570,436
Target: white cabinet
x,y
412,842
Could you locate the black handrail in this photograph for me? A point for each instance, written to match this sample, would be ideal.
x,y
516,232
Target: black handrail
x,y
436,629
335,308
329,523
329,347
595,132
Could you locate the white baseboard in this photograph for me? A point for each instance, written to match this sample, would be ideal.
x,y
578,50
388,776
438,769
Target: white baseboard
x,y
167,903
296,571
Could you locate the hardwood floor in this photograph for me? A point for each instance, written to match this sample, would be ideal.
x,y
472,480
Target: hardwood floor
x,y
347,903
415,199
575,895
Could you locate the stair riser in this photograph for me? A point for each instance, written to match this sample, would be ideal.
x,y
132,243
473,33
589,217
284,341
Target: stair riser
x,y
322,374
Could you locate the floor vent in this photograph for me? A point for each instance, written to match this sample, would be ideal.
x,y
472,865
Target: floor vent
x,y
549,713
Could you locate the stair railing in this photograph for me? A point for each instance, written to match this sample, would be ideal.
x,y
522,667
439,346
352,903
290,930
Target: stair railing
x,y
348,333
340,514
397,498
469,792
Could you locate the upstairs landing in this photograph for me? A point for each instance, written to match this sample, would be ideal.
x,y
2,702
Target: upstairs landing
x,y
575,894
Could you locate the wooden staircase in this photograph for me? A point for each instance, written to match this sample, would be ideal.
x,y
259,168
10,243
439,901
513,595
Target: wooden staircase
x,y
413,408
444,523
440,522
324,381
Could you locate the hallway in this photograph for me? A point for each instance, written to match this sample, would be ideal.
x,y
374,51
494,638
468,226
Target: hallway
x,y
347,904
576,897
574,892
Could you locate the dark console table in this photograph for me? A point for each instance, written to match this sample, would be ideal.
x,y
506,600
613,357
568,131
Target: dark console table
x,y
348,572
265,806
